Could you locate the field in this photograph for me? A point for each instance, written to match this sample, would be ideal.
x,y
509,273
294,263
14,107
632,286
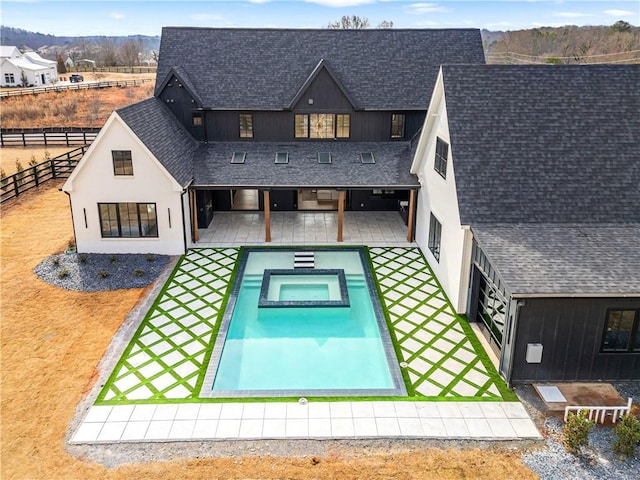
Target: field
x,y
76,108
9,155
52,341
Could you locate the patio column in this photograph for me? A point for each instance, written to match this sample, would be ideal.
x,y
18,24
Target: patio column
x,y
267,217
410,214
194,216
340,213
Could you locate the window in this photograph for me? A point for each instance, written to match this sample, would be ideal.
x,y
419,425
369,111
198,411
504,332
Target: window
x,y
238,157
302,126
196,120
397,125
128,220
246,125
343,123
9,78
122,163
367,157
442,153
621,331
322,125
282,157
435,234
324,157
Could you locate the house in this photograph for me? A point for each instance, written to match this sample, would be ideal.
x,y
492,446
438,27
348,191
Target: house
x,y
30,68
281,116
529,213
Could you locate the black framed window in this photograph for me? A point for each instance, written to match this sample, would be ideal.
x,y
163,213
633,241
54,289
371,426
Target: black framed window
x,y
9,78
128,220
442,153
397,125
621,331
322,125
246,125
435,234
122,162
343,126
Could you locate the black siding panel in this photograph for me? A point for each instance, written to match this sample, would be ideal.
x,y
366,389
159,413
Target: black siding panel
x,y
182,105
326,96
570,330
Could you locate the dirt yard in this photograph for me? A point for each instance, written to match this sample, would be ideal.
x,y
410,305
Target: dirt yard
x,y
53,339
9,155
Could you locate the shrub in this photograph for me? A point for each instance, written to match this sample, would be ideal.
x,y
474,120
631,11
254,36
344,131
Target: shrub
x,y
33,162
575,432
47,156
628,432
138,272
3,178
113,259
19,170
56,261
63,273
150,258
103,274
82,258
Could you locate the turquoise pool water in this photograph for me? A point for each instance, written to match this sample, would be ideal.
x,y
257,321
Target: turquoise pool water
x,y
303,350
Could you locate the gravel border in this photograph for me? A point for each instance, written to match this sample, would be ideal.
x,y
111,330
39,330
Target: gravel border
x,y
93,272
597,461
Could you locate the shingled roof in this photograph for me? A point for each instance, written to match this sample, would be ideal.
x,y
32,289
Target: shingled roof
x,y
545,144
155,125
263,69
574,259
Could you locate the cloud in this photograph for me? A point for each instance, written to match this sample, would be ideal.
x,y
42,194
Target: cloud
x,y
619,13
206,17
427,23
259,1
421,8
117,15
340,3
573,14
498,25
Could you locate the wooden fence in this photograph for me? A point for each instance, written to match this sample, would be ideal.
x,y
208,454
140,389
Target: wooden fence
x,y
26,137
73,86
120,69
35,175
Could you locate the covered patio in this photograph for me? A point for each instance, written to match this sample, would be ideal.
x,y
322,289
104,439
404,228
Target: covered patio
x,y
305,228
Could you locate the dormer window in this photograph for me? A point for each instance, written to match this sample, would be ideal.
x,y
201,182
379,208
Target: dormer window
x,y
397,125
122,162
246,125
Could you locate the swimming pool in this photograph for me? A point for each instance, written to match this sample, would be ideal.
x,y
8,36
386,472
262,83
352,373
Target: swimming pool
x,y
314,331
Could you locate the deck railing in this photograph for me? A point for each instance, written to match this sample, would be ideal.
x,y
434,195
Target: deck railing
x,y
598,414
34,175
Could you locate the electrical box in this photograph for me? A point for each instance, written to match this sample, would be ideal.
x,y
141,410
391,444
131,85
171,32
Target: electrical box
x,y
534,353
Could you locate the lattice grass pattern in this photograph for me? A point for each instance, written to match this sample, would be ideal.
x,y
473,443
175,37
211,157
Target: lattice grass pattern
x,y
433,340
165,358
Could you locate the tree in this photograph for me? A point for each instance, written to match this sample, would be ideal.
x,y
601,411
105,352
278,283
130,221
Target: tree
x,y
386,24
108,54
350,22
130,52
621,26
62,68
24,81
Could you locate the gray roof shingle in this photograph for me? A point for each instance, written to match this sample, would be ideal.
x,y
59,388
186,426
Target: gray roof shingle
x,y
155,125
263,69
551,144
573,259
393,159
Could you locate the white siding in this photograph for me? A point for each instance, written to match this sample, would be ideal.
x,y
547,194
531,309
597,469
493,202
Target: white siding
x,y
94,182
438,195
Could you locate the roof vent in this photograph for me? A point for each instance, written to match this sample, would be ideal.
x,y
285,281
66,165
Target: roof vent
x,y
282,157
367,157
324,157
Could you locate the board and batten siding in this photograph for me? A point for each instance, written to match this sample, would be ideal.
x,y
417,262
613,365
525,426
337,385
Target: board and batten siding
x,y
439,196
94,182
570,331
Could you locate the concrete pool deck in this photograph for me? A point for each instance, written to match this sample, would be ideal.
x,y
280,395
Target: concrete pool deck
x,y
153,392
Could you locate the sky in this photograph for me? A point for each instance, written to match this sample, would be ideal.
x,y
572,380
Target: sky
x,y
147,17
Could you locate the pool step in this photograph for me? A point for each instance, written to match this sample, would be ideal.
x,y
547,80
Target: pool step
x,y
303,260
